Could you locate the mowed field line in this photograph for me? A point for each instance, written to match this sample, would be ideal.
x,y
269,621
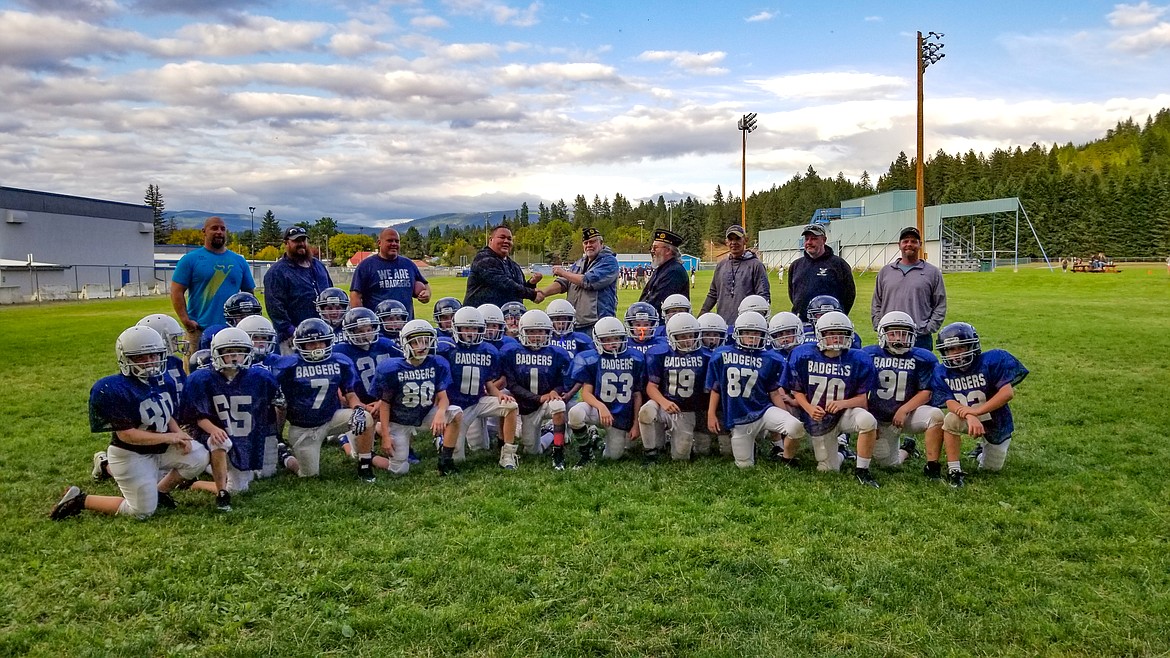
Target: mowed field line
x,y
1063,553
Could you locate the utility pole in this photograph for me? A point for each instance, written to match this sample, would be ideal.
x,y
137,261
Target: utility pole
x,y
747,123
927,54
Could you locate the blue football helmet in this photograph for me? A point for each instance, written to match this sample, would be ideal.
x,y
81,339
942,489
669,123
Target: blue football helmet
x,y
962,336
361,326
821,304
393,315
513,311
445,309
331,305
200,359
641,319
239,306
313,330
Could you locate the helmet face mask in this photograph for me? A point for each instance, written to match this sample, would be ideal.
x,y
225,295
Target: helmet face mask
x,y
682,332
141,353
418,340
784,339
239,306
712,330
563,316
169,328
751,331
361,327
513,311
820,305
332,304
834,332
393,316
231,350
262,333
468,326
785,330
313,340
896,332
536,329
641,319
958,345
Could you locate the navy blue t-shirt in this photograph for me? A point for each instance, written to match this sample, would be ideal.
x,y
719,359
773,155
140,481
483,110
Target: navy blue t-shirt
x,y
378,279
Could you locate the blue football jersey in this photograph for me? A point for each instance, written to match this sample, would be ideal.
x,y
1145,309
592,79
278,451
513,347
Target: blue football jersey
x,y
271,363
471,369
823,379
502,342
643,347
680,376
175,370
409,389
744,380
536,371
615,379
573,343
241,407
208,334
120,403
366,362
313,389
978,383
899,378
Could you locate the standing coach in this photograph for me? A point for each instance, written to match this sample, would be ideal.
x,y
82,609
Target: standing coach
x,y
819,271
591,283
386,275
913,286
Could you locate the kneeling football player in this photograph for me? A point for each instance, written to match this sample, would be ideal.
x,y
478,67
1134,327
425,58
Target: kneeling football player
x,y
675,387
535,369
612,376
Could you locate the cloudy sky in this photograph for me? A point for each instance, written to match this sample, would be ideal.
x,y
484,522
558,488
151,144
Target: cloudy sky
x,y
375,111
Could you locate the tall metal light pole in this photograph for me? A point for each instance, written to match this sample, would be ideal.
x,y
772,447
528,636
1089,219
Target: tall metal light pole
x,y
670,212
928,53
641,236
252,237
746,124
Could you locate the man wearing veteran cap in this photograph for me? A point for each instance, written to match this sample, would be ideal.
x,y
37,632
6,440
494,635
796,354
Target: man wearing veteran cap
x,y
819,272
591,283
913,286
670,276
737,276
292,284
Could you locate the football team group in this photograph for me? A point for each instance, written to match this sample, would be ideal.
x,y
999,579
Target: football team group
x,y
518,381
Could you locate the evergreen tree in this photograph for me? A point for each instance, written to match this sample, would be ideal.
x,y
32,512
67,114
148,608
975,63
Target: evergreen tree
x,y
412,243
154,199
523,214
269,231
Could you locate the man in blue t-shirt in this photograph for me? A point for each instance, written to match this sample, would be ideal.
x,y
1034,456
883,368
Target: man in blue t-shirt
x,y
206,277
386,275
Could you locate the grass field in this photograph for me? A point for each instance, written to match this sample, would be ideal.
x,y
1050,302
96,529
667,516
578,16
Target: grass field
x,y
1063,553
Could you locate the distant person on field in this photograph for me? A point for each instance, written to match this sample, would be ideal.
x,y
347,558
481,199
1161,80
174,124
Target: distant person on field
x,y
292,285
387,275
737,276
913,286
207,277
819,272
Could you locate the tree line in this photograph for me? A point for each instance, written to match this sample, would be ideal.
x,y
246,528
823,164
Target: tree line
x,y
1111,194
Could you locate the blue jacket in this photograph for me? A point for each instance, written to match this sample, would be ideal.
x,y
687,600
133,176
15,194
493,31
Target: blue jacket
x,y
597,298
290,293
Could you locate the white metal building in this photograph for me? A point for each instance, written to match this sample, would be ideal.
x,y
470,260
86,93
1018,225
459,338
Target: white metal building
x,y
54,246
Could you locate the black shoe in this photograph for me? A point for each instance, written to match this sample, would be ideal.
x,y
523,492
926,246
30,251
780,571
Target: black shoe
x,y
910,446
223,501
412,458
865,477
650,457
955,479
558,455
586,457
366,472
282,453
790,463
932,470
776,454
446,466
71,504
974,454
843,448
165,499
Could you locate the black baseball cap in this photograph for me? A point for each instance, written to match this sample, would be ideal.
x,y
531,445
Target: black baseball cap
x,y
295,232
910,230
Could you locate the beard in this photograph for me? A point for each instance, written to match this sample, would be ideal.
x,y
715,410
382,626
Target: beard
x,y
218,241
657,260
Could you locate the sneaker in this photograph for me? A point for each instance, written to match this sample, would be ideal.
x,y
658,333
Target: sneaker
x,y
558,455
910,446
974,454
932,470
70,504
366,472
955,479
165,499
508,459
101,466
776,454
412,458
586,456
865,477
223,501
790,463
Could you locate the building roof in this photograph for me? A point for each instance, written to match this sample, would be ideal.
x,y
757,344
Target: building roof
x,y
359,257
13,198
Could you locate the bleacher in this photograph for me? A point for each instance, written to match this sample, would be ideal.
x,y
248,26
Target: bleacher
x,y
957,254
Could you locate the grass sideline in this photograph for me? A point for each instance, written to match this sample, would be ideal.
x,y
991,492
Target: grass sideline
x,y
1064,553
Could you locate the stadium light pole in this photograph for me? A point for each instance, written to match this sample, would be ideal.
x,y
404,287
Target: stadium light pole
x,y
252,233
927,54
670,212
747,123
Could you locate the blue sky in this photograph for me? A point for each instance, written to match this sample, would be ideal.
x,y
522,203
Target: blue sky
x,y
370,112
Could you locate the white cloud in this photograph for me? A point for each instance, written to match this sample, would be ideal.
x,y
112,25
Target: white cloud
x,y
692,62
1126,16
833,85
555,75
27,41
499,13
252,34
874,19
760,17
428,22
1145,42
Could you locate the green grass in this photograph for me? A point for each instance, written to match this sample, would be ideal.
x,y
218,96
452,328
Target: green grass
x,y
1063,553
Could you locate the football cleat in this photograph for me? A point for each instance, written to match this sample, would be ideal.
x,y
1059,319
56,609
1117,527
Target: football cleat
x,y
865,477
166,500
282,453
413,458
508,459
101,466
843,448
71,504
223,501
776,454
932,470
366,471
446,466
558,455
650,457
955,479
585,452
974,454
910,446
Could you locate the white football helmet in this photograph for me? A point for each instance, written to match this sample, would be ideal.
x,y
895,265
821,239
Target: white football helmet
x,y
754,303
750,331
682,332
262,332
170,329
896,332
493,322
468,326
536,329
140,341
834,331
417,339
713,330
786,330
608,330
563,316
231,342
675,303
